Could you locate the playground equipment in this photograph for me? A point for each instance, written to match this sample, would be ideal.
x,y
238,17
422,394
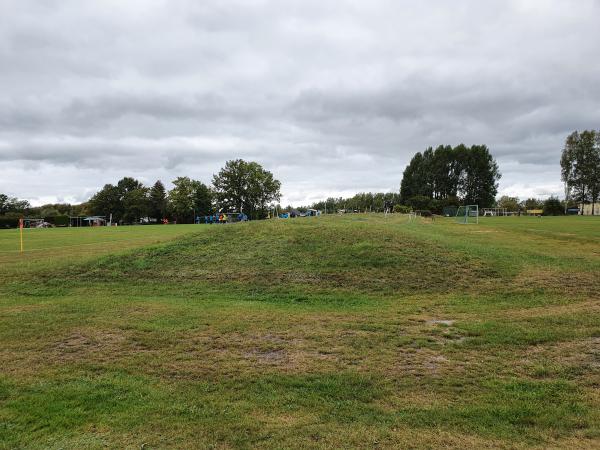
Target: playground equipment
x,y
494,212
223,217
34,223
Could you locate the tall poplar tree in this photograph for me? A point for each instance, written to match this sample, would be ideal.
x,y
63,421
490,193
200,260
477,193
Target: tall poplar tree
x,y
470,173
580,167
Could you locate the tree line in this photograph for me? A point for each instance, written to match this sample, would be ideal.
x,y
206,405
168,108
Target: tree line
x,y
450,176
580,167
434,179
552,206
361,202
240,186
12,207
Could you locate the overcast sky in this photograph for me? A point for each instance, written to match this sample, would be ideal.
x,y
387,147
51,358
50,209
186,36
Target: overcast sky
x,y
333,97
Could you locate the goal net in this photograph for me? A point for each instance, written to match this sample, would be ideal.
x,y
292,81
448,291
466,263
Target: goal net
x,y
467,214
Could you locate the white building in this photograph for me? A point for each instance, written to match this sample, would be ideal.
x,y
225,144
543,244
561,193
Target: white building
x,y
587,209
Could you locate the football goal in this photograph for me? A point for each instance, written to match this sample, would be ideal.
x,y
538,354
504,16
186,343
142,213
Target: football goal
x,y
467,214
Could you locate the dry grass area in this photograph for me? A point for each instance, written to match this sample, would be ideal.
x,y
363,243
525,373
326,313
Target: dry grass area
x,y
332,332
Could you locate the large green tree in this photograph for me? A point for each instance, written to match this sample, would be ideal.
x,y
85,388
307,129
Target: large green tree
x,y
127,184
246,187
443,174
532,203
479,176
188,197
203,199
127,201
181,199
4,204
158,201
136,204
512,204
593,170
107,201
13,205
414,180
580,166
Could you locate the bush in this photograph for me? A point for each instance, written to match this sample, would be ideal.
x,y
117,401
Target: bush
x,y
436,205
419,202
401,209
9,222
58,221
553,207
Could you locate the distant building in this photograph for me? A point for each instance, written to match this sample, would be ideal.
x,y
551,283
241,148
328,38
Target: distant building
x,y
587,209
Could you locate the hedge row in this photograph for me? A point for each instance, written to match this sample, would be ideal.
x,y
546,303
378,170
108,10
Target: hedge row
x,y
58,221
13,222
9,222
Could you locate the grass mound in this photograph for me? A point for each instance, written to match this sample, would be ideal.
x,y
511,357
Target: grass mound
x,y
364,257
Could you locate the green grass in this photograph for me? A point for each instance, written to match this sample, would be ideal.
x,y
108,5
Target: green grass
x,y
331,332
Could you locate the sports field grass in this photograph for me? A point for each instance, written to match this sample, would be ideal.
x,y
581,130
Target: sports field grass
x,y
330,332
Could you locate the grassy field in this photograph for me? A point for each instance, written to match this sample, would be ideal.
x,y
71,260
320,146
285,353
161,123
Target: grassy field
x,y
344,332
